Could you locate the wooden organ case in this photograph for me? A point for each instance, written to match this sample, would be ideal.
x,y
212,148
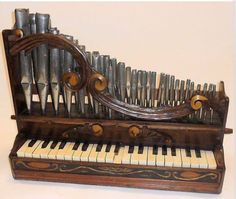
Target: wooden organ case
x,y
159,137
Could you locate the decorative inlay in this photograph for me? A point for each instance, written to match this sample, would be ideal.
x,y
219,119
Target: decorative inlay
x,y
191,176
166,173
37,165
116,171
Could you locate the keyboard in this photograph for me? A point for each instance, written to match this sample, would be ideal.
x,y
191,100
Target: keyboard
x,y
119,154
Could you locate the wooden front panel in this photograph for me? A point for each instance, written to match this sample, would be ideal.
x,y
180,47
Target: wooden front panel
x,y
101,169
150,133
197,180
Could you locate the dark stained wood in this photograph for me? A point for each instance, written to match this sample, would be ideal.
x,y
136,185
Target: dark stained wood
x,y
228,131
163,126
119,181
151,177
193,135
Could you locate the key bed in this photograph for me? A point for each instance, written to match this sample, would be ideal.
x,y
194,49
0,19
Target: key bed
x,y
110,153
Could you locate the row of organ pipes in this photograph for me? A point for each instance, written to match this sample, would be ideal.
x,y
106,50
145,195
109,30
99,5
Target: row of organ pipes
x,y
45,66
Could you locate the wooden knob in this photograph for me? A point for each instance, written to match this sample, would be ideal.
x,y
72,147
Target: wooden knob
x,y
74,80
99,82
197,101
71,80
97,129
19,33
134,131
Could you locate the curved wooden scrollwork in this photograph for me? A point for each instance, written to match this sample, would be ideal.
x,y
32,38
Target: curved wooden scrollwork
x,y
161,113
71,80
197,100
97,83
56,41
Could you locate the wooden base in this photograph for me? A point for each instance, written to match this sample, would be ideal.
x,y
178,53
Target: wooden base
x,y
164,178
118,181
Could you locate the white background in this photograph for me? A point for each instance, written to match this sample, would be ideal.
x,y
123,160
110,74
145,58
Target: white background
x,y
189,40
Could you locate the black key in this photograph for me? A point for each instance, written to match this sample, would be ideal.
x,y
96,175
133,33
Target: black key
x,y
85,146
53,145
140,149
155,150
99,147
108,148
45,144
117,148
131,149
188,153
76,146
173,151
62,145
164,150
31,143
198,153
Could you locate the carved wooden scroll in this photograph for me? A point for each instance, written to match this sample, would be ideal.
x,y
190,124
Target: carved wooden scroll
x,y
96,83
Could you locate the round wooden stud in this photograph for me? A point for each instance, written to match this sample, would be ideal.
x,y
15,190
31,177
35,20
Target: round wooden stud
x,y
196,101
134,131
19,33
99,82
71,80
97,129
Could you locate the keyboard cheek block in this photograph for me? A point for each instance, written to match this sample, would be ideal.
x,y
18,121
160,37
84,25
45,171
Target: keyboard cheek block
x,y
83,117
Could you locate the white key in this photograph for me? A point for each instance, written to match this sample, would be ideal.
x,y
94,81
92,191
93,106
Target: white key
x,y
160,159
177,161
93,155
29,150
185,160
169,158
69,153
37,151
126,156
203,161
61,152
194,161
118,157
53,152
111,154
151,157
134,156
142,159
211,160
21,151
85,155
77,153
45,151
102,154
